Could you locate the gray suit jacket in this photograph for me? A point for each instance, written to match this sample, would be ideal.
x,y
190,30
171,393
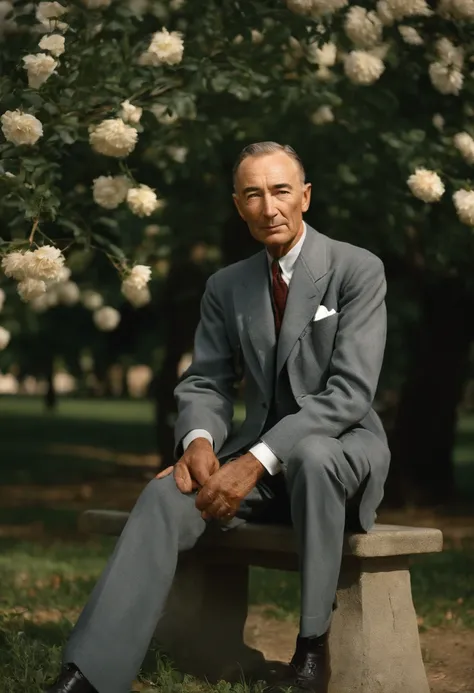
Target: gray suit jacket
x,y
322,375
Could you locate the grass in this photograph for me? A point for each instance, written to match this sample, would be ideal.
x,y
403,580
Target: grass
x,y
45,584
33,441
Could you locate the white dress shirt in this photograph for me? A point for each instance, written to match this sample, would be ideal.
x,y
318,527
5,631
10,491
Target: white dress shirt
x,y
260,450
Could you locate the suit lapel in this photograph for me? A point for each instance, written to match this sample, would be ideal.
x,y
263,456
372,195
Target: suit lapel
x,y
304,294
254,303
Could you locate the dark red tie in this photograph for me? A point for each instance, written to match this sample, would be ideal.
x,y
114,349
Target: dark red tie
x,y
280,294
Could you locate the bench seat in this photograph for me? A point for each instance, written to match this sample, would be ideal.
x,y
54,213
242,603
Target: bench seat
x,y
373,641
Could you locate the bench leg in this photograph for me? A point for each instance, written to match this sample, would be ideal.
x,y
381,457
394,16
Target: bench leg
x,y
374,645
202,627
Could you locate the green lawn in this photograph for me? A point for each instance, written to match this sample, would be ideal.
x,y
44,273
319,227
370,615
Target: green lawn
x,y
32,439
45,584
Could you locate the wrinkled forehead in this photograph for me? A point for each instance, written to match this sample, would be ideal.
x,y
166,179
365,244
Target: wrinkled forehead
x,y
267,170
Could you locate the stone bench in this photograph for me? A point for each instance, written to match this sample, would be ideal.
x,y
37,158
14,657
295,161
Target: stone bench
x,y
374,645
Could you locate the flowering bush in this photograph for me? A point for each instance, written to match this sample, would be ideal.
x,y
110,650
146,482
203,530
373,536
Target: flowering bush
x,y
105,103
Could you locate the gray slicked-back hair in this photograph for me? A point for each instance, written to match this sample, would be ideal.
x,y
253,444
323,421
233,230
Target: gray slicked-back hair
x,y
260,148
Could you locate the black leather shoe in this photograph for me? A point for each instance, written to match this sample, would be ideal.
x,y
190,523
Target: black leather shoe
x,y
71,681
308,669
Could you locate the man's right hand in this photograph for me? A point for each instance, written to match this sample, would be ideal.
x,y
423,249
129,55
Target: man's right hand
x,y
194,468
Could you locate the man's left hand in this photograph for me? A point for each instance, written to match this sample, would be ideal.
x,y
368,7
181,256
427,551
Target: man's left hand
x,y
222,494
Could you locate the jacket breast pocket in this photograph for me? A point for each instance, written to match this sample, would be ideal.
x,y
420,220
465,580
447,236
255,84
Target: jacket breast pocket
x,y
323,335
326,326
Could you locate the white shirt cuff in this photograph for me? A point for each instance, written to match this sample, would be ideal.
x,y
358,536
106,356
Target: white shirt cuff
x,y
196,433
268,458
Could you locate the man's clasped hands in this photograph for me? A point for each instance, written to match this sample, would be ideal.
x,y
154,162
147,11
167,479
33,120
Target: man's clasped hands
x,y
220,488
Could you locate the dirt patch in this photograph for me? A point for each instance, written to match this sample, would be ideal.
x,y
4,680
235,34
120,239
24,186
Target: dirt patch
x,y
448,653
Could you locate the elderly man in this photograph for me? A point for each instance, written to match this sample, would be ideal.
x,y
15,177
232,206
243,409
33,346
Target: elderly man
x,y
305,321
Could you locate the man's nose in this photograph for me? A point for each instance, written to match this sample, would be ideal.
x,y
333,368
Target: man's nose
x,y
269,209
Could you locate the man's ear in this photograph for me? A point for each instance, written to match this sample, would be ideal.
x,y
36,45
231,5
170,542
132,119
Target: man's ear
x,y
237,204
306,197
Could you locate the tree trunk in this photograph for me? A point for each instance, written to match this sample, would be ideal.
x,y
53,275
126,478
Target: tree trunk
x,y
423,438
50,399
180,312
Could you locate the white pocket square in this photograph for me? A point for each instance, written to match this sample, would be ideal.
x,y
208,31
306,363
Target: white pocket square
x,y
323,312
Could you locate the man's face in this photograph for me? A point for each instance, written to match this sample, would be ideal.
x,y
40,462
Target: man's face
x,y
271,197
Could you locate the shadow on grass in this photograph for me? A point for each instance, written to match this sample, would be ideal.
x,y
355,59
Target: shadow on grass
x,y
32,438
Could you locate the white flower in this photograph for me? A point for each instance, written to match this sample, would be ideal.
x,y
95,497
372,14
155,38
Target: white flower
x,y
449,54
64,274
4,338
6,25
137,297
324,56
438,121
165,48
178,154
2,299
47,13
159,110
300,6
257,36
31,288
139,276
362,27
15,264
457,9
410,35
106,318
152,230
399,9
96,4
110,191
113,137
465,144
142,201
315,8
322,7
426,185
464,203
45,263
68,293
130,113
39,68
384,13
91,299
146,59
41,303
363,68
21,128
295,47
54,43
323,74
445,79
322,115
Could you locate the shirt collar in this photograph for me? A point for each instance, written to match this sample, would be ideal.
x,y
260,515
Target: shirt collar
x,y
288,261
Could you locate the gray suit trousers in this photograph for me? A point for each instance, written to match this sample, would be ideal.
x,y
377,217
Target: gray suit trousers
x,y
113,632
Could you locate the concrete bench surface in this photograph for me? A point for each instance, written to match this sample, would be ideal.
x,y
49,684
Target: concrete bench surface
x,y
381,541
374,644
